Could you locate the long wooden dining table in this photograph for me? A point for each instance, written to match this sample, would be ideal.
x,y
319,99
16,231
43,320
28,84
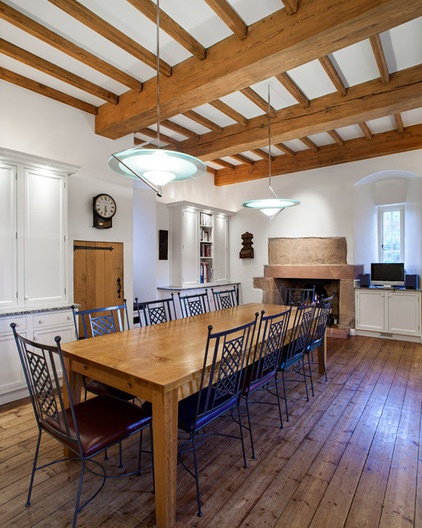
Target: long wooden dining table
x,y
161,364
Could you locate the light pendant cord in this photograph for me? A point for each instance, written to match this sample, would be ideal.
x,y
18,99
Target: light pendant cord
x,y
269,141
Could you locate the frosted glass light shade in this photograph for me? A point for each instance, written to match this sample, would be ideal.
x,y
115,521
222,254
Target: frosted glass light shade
x,y
157,166
271,206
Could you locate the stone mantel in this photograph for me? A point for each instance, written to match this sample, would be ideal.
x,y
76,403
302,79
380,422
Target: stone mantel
x,y
317,271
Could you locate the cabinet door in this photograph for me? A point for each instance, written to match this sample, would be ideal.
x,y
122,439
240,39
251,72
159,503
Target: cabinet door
x,y
220,261
8,229
11,374
404,313
44,253
370,310
190,253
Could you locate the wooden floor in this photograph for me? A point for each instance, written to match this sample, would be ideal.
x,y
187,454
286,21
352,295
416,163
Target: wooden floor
x,y
349,458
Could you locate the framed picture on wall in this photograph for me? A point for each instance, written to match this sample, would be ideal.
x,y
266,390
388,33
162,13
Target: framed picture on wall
x,y
163,238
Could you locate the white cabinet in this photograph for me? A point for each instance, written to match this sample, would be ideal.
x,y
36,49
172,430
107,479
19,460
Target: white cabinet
x,y
41,327
33,231
388,313
199,245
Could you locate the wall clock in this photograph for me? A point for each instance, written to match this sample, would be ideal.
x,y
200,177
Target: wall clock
x,y
104,208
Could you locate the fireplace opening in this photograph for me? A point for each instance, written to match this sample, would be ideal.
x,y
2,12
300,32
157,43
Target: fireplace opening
x,y
323,289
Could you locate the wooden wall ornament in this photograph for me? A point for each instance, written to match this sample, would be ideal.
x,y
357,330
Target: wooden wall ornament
x,y
247,250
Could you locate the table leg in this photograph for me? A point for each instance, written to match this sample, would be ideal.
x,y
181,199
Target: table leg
x,y
164,430
322,355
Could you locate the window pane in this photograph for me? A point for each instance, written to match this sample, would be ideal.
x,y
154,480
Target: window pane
x,y
391,234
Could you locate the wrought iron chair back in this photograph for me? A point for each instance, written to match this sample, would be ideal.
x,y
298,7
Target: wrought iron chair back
x,y
297,296
225,298
99,321
155,312
194,304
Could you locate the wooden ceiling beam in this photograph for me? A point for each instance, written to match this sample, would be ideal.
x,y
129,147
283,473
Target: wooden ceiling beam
x,y
262,154
179,129
35,29
380,58
336,136
290,6
198,118
328,155
47,67
399,123
284,148
366,130
163,137
318,28
258,100
229,111
293,89
333,75
29,84
364,102
172,28
229,16
224,163
243,159
103,28
309,143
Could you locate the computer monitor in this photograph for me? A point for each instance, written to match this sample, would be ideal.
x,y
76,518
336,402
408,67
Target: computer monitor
x,y
391,274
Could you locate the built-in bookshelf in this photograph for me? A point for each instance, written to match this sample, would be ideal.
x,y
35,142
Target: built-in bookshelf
x,y
205,247
199,245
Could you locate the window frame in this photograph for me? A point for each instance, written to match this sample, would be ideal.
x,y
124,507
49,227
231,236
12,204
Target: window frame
x,y
381,210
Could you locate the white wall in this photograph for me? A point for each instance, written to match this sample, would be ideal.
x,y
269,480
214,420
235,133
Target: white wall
x,y
39,126
331,202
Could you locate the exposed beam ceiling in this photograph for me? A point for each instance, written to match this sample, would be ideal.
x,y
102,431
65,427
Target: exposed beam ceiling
x,y
346,77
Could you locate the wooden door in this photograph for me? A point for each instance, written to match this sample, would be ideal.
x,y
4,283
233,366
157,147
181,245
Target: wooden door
x,y
97,274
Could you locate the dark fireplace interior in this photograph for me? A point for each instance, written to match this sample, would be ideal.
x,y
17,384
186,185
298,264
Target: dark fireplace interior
x,y
323,288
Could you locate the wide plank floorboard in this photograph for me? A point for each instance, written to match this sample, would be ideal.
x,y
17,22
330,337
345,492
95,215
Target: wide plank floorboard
x,y
348,458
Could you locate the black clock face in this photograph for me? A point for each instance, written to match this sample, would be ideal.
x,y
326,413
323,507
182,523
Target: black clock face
x,y
105,206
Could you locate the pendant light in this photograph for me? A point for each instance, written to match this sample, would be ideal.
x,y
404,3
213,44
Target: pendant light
x,y
156,167
271,207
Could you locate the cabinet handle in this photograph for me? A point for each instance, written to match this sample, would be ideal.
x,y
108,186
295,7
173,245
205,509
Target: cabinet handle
x,y
119,287
40,321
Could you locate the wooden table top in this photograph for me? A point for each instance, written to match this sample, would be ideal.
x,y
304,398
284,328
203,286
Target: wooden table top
x,y
160,357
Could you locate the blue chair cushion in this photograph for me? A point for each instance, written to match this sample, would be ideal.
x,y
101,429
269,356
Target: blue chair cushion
x,y
188,419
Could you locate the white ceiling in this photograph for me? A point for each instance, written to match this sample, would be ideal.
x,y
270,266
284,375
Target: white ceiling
x,y
356,64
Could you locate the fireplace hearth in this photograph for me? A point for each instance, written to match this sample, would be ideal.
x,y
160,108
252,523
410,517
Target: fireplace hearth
x,y
299,262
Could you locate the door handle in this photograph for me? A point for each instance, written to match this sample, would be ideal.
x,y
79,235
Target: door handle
x,y
119,287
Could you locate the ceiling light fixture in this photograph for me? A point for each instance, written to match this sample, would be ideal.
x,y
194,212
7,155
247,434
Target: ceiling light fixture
x,y
156,167
271,207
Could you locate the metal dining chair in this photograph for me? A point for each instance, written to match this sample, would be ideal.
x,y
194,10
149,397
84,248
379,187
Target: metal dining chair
x,y
97,322
292,354
85,429
297,296
262,371
220,390
227,298
194,304
155,312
